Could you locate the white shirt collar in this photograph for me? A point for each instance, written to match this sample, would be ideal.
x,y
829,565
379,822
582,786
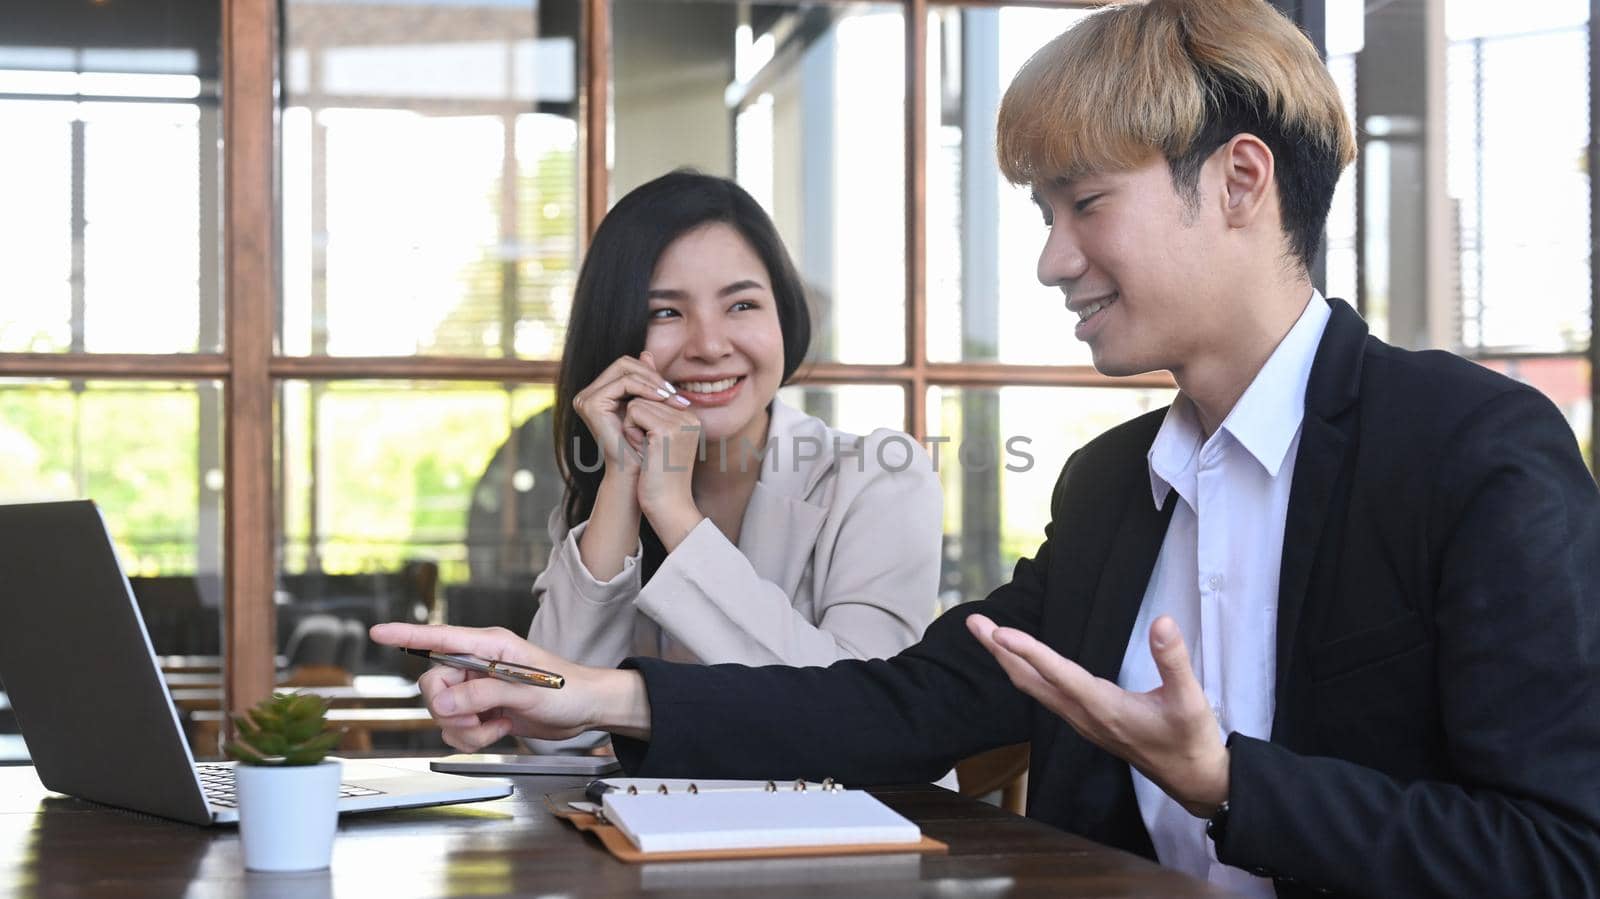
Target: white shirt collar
x,y
1265,419
1171,456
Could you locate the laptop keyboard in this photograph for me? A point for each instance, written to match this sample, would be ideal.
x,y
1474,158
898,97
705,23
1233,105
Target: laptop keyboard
x,y
217,783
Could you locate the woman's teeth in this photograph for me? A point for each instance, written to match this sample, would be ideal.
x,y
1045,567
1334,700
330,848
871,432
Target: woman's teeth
x,y
707,386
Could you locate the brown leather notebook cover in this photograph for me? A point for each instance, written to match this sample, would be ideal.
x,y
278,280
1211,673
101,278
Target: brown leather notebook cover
x,y
620,846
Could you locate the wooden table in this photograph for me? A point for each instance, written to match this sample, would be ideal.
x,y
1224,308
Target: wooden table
x,y
58,846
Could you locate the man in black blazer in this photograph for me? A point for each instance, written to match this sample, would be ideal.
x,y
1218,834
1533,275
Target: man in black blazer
x,y
1396,687
1438,717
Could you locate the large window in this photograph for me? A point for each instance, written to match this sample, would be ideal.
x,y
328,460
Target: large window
x,y
430,210
814,122
1466,222
1519,188
429,156
110,234
351,418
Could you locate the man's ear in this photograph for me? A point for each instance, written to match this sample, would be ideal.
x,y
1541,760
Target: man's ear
x,y
1247,173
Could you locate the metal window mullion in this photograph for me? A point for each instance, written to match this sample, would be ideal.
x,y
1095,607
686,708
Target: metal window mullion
x,y
80,228
916,239
595,94
210,557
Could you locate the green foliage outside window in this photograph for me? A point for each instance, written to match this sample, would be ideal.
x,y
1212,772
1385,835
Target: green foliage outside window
x,y
132,448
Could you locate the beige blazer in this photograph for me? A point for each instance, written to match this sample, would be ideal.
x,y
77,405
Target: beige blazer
x,y
838,558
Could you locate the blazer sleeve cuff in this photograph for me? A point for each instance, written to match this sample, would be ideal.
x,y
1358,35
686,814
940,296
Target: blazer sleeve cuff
x,y
1248,841
688,733
585,584
703,552
635,754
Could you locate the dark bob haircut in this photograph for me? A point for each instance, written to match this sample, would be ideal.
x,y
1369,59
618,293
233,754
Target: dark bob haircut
x,y
610,309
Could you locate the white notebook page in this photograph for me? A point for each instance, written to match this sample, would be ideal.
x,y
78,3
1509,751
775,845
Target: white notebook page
x,y
687,822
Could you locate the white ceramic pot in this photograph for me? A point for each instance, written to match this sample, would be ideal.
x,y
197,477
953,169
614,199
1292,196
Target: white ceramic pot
x,y
288,815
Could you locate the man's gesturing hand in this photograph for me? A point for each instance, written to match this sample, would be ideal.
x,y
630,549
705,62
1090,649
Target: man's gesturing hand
x,y
1169,734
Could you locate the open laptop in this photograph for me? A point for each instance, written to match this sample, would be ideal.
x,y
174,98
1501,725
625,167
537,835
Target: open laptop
x,y
90,700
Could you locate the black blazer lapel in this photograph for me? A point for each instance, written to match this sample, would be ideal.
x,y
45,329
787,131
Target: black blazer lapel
x,y
1098,799
1122,584
1326,434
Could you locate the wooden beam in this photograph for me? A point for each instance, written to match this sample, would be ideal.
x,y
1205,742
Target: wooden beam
x,y
249,112
979,374
109,366
969,374
423,368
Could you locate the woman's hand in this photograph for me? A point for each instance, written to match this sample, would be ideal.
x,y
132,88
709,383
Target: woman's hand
x,y
603,404
669,451
475,710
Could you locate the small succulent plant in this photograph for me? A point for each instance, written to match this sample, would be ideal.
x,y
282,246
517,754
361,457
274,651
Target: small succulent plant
x,y
286,729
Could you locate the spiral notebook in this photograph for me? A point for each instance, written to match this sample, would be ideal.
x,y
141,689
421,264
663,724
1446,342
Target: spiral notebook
x,y
679,821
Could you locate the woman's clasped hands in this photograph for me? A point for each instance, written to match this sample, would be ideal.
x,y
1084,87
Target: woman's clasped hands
x,y
649,442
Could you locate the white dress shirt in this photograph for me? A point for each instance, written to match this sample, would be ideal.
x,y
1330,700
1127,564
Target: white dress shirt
x,y
1217,573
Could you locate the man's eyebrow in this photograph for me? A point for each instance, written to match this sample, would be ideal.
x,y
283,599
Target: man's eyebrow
x,y
1059,182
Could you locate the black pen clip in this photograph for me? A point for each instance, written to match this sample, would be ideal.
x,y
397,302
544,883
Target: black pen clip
x,y
596,789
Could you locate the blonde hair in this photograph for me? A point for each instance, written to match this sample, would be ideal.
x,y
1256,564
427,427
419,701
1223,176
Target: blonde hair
x,y
1139,77
1179,78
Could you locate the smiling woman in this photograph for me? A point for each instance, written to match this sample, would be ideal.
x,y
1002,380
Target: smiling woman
x,y
714,332
705,520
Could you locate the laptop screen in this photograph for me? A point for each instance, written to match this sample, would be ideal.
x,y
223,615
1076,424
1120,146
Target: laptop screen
x,y
78,666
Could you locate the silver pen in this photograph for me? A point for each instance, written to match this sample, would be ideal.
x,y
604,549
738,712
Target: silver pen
x,y
509,672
